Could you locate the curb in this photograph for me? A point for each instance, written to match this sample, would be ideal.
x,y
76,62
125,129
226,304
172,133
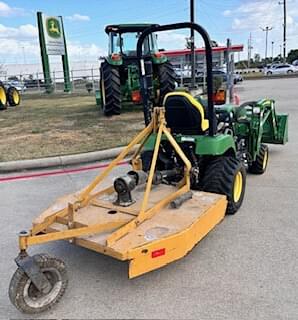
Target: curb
x,y
270,77
59,161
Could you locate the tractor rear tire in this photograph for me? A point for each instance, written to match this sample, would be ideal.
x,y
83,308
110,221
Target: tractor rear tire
x,y
260,164
3,98
27,298
13,96
110,89
167,80
227,176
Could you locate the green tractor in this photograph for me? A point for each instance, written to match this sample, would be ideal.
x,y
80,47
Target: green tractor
x,y
119,73
9,96
222,142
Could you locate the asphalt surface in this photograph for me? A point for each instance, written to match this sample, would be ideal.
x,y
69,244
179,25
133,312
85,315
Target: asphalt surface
x,y
246,268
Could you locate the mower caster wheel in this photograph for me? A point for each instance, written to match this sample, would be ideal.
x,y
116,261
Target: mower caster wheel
x,y
260,164
27,298
227,176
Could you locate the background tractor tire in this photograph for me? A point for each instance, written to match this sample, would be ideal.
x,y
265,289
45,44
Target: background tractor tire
x,y
110,89
227,176
27,298
260,164
3,98
167,80
13,96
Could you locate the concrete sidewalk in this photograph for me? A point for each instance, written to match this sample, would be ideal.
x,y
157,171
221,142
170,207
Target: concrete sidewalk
x,y
60,161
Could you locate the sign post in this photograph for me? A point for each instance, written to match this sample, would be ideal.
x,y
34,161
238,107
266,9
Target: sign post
x,y
52,42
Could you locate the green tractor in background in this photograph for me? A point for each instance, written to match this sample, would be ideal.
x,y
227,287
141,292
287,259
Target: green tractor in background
x,y
119,73
9,96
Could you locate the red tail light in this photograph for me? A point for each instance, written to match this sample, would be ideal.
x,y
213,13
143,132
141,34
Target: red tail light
x,y
116,56
136,96
158,55
219,97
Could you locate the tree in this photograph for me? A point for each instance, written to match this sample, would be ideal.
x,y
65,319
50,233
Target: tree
x,y
188,43
257,58
293,55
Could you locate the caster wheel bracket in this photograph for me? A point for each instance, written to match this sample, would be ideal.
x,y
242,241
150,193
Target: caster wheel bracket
x,y
32,269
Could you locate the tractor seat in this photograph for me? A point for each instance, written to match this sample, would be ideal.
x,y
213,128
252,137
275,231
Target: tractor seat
x,y
184,114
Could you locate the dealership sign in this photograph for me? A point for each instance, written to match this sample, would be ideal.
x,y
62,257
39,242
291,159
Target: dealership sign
x,y
53,35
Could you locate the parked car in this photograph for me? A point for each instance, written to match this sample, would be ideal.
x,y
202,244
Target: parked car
x,y
220,74
281,69
18,85
237,78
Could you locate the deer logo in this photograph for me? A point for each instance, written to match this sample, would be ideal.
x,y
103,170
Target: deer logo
x,y
53,28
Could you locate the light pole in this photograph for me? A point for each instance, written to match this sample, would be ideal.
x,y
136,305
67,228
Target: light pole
x,y
272,49
266,29
192,43
284,3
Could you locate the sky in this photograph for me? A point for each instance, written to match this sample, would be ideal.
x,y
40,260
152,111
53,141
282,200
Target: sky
x,y
84,23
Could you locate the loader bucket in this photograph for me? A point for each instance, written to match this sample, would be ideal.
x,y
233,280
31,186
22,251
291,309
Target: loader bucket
x,y
281,134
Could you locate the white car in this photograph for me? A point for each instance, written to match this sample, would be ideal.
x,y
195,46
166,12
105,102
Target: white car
x,y
18,85
281,69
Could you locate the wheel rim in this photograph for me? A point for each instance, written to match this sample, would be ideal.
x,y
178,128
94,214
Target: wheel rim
x,y
265,160
237,186
16,96
103,94
34,298
2,96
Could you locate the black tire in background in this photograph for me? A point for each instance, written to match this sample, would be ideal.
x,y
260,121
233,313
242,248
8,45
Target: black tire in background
x,y
27,298
110,89
259,166
13,96
3,98
227,176
167,80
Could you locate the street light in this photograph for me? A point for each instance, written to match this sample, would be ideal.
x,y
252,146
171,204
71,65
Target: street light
x,y
266,29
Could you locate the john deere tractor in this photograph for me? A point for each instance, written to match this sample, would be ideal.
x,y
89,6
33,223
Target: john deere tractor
x,y
221,142
119,73
9,95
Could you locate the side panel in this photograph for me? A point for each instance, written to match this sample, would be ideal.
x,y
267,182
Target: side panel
x,y
214,146
159,253
205,145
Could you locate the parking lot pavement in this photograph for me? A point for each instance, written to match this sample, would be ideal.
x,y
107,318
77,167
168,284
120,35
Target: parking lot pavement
x,y
246,268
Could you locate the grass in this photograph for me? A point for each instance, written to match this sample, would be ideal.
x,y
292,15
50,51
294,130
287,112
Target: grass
x,y
60,125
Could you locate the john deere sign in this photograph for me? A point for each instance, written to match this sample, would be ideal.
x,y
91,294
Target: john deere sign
x,y
54,39
53,28
52,42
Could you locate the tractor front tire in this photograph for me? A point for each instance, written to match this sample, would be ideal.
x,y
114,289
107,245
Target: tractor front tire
x,y
110,89
260,164
167,80
13,96
3,98
227,176
27,298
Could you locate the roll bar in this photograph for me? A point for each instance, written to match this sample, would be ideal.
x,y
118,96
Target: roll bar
x,y
208,48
